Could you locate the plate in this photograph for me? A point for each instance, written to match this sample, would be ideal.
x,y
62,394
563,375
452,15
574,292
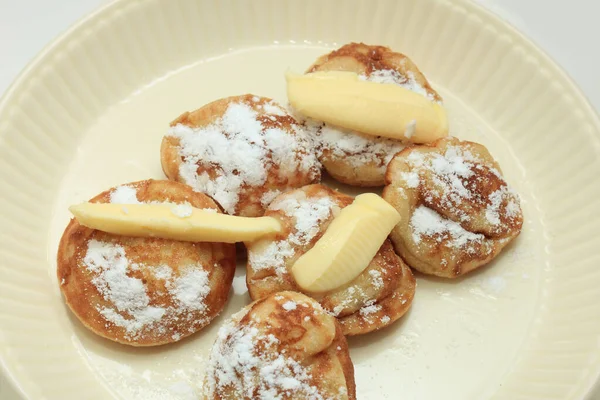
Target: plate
x,y
89,113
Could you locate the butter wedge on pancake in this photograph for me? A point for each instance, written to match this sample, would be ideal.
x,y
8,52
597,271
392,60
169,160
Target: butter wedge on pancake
x,y
170,221
348,245
341,98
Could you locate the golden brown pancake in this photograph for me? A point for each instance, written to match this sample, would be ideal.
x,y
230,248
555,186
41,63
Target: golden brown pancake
x,y
144,291
242,151
353,157
380,295
457,210
283,346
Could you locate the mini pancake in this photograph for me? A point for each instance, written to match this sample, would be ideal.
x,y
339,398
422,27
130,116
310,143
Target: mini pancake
x,y
283,346
457,210
352,157
144,291
242,151
380,295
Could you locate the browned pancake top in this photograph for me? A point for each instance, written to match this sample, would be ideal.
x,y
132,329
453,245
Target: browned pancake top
x,y
353,157
283,346
381,294
457,210
144,291
242,151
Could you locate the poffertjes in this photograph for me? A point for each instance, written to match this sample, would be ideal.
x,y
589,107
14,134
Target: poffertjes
x,y
283,346
242,151
457,210
144,291
352,157
380,295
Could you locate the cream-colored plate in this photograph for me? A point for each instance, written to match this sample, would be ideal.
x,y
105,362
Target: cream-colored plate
x,y
90,112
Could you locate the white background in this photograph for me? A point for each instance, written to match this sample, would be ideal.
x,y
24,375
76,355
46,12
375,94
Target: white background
x,y
568,30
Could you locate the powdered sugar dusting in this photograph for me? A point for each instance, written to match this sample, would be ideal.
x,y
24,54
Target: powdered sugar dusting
x,y
355,296
237,149
456,181
391,76
272,256
410,129
274,109
368,310
124,195
132,306
307,215
449,171
427,222
248,364
377,279
355,148
268,197
493,210
190,289
127,194
358,149
127,294
411,178
182,210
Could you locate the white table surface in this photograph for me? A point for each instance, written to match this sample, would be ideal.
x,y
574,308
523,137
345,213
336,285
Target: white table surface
x,y
566,29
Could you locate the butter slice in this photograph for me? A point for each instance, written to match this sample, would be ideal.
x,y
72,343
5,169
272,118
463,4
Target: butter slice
x,y
166,221
341,98
349,244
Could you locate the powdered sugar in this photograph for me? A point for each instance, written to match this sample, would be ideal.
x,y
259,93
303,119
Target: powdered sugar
x,y
132,306
127,294
307,215
448,170
497,198
411,178
273,255
370,308
427,222
273,109
182,210
237,149
248,364
377,279
410,129
268,197
163,272
354,297
289,305
456,181
124,195
407,81
190,289
354,148
359,149
127,194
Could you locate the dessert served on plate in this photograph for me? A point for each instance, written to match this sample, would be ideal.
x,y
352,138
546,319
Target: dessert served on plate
x,y
380,294
457,211
354,157
156,264
144,291
283,346
242,151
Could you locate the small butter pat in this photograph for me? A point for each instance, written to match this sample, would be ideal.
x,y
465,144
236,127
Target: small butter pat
x,y
349,244
168,221
341,98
